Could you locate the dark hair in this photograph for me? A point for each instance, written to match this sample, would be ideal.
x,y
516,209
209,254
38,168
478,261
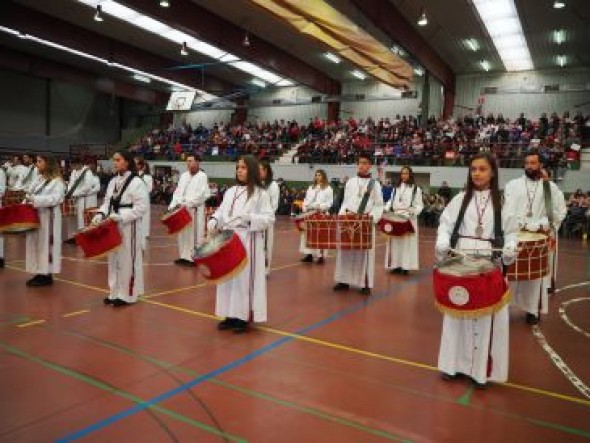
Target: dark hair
x,y
494,183
128,157
197,157
325,183
533,152
145,165
365,156
269,175
253,173
53,169
411,181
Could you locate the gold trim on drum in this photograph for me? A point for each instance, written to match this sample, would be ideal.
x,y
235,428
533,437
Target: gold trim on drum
x,y
475,313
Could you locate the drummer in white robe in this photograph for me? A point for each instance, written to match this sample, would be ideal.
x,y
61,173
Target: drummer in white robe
x,y
477,347
3,176
82,187
272,188
27,173
43,246
401,252
246,208
143,172
125,202
192,192
527,196
319,197
357,268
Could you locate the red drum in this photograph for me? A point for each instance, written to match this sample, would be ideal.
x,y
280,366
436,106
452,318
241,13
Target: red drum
x,y
300,222
348,232
177,219
221,257
396,226
68,207
99,240
89,215
20,217
532,261
467,287
13,197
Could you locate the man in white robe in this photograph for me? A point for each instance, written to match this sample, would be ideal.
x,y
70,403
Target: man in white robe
x,y
27,174
526,196
269,234
192,192
357,268
83,189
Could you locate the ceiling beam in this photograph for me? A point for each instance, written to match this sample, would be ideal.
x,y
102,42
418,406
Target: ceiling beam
x,y
391,21
39,67
201,23
44,26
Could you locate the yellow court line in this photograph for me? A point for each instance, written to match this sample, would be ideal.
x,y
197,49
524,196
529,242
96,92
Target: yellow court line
x,y
374,354
72,314
31,323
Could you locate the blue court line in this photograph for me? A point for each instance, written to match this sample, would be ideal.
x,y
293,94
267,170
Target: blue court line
x,y
236,363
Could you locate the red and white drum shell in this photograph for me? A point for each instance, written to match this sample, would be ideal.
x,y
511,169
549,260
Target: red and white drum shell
x,y
68,207
12,197
221,257
532,261
396,226
99,240
89,215
17,218
300,222
321,231
470,292
355,231
177,220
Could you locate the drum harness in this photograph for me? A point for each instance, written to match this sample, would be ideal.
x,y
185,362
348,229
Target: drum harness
x,y
414,191
115,202
76,184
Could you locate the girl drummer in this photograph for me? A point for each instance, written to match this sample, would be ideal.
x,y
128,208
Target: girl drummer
x,y
44,244
272,188
126,202
143,172
318,197
477,347
246,208
401,253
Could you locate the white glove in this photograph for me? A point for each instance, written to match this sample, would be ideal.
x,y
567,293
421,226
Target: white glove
x,y
533,226
441,250
212,225
115,217
544,223
29,197
508,254
97,219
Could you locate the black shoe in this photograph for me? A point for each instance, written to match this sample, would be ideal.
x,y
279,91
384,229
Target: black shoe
x,y
478,385
341,287
117,303
108,301
405,272
320,261
70,241
226,324
396,270
307,259
449,377
35,280
532,319
1,263
40,280
184,262
366,291
240,326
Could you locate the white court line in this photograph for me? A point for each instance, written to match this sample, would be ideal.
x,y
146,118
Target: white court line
x,y
566,319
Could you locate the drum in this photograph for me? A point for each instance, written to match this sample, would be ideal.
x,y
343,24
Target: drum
x,y
396,225
348,232
221,257
532,261
177,219
321,231
20,217
89,215
99,240
13,197
68,207
466,287
300,222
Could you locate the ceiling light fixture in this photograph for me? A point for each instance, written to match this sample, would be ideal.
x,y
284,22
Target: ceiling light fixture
x,y
561,60
165,3
485,65
422,20
258,83
184,49
358,74
98,15
142,78
559,36
332,57
557,4
246,41
472,44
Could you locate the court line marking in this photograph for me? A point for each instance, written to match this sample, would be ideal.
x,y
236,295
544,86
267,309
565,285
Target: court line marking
x,y
567,320
114,390
75,313
30,323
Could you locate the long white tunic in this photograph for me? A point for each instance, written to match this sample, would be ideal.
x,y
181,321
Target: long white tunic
x,y
85,193
44,244
2,192
467,344
269,234
192,191
402,252
27,176
148,182
521,195
316,199
358,267
246,292
126,262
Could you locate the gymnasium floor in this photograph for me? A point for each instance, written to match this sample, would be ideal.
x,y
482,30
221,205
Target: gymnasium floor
x,y
328,367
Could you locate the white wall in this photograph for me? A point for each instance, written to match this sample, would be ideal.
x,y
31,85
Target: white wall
x,y
511,105
301,113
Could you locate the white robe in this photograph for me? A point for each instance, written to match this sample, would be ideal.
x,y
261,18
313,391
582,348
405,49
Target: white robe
x,y
246,291
316,199
269,234
27,176
126,262
465,343
43,246
402,252
85,193
2,192
192,191
531,295
13,174
148,181
357,268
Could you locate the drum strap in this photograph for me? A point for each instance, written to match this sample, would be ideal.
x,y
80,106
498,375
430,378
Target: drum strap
x,y
548,201
43,186
115,203
29,175
76,184
497,241
366,195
